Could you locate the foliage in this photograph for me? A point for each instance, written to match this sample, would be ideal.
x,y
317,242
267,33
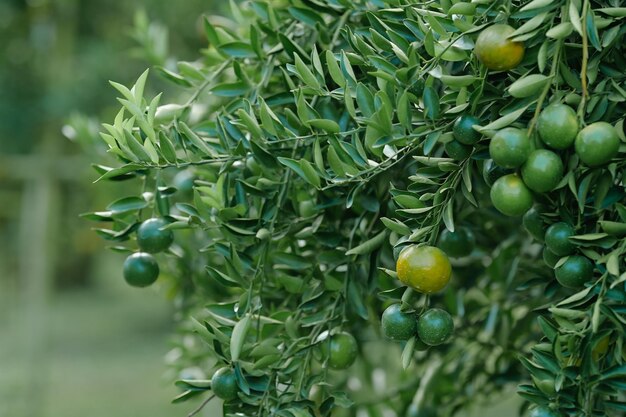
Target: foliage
x,y
315,133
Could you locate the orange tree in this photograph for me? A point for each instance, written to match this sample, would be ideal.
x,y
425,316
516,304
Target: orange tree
x,y
333,160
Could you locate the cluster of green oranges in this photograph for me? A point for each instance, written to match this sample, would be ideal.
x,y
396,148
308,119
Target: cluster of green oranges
x,y
541,170
426,269
141,268
572,270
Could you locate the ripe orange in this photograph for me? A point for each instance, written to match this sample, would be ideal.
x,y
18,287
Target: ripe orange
x,y
424,268
495,51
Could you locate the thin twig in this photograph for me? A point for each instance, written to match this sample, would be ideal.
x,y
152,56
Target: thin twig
x,y
204,403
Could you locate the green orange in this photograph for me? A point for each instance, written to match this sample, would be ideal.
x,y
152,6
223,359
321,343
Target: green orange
x,y
510,195
597,144
557,239
340,349
224,384
542,171
557,126
496,51
398,325
141,269
574,272
426,269
463,130
152,237
510,147
435,326
457,151
457,244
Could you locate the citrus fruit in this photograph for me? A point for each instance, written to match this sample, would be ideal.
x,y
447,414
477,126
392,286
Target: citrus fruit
x,y
510,195
544,412
456,150
574,272
495,51
557,126
534,224
491,172
141,269
435,326
597,144
510,147
398,325
463,131
550,258
542,171
152,238
184,182
341,350
307,208
224,384
458,243
557,239
425,268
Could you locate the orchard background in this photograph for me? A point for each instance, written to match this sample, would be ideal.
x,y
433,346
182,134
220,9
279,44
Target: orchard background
x,y
300,170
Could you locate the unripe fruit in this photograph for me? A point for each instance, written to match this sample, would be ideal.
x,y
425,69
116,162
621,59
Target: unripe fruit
x,y
510,147
224,384
141,269
435,326
511,196
398,325
597,144
151,236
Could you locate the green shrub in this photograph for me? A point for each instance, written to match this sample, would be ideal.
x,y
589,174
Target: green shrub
x,y
315,134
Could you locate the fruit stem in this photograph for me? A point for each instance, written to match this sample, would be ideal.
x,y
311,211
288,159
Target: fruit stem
x,y
204,403
583,70
546,89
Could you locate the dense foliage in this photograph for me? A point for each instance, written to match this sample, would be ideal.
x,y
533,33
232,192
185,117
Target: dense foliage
x,y
320,139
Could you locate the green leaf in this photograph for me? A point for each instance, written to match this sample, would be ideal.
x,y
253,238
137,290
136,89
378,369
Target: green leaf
x,y
326,125
230,89
237,49
407,352
305,73
126,204
528,86
431,103
309,173
368,246
239,337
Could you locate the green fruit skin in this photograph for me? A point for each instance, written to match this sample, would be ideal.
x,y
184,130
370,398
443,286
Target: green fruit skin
x,y
575,272
151,238
557,239
435,326
534,224
557,126
307,208
342,351
597,144
463,131
140,269
510,147
550,258
224,384
510,196
491,172
457,151
543,412
457,244
542,171
398,325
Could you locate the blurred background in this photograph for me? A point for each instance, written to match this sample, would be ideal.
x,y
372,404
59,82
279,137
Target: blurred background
x,y
74,339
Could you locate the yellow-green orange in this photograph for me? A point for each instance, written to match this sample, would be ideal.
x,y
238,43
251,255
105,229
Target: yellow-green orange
x,y
495,51
557,126
597,144
426,269
510,195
